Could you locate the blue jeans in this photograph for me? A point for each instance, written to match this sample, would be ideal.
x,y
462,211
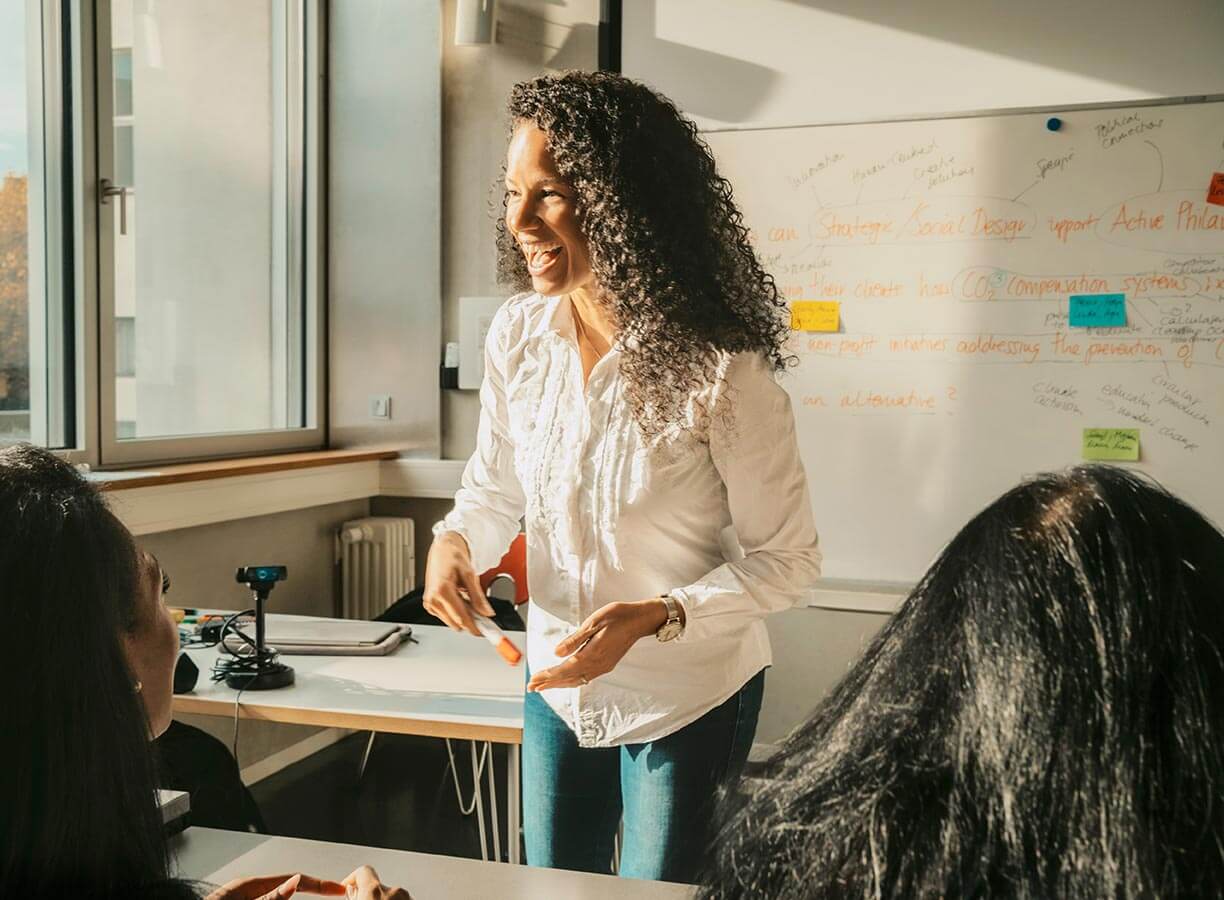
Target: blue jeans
x,y
667,790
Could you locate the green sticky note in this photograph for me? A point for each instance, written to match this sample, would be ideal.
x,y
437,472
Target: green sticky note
x,y
1111,443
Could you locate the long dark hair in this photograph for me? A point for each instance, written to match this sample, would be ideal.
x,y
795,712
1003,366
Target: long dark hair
x,y
667,243
1044,717
78,814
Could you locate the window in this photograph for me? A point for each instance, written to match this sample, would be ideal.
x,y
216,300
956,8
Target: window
x,y
35,385
14,227
14,293
208,317
159,239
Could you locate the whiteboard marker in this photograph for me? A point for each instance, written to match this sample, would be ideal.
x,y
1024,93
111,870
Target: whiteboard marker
x,y
500,642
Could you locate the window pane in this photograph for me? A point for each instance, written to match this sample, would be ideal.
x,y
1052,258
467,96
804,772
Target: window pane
x,y
15,298
125,346
207,139
125,162
123,82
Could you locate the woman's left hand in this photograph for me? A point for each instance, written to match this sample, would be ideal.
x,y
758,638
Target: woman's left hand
x,y
600,643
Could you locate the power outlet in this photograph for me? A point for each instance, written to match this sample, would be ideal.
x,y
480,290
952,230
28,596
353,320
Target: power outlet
x,y
380,406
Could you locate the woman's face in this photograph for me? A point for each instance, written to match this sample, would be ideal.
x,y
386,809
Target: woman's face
x,y
541,216
153,645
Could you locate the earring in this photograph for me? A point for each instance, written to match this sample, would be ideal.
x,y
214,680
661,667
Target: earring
x,y
139,687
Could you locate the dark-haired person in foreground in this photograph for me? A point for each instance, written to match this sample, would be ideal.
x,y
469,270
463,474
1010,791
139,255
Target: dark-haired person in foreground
x,y
1044,717
88,677
630,416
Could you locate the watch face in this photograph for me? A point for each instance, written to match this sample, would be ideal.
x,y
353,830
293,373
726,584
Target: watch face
x,y
669,632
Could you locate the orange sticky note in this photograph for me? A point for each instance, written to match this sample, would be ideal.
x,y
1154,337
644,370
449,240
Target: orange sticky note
x,y
1215,192
815,315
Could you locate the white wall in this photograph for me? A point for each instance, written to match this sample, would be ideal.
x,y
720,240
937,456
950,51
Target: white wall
x,y
533,37
812,649
201,561
383,221
758,63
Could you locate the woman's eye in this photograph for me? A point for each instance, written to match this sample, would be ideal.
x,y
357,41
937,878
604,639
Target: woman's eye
x,y
552,194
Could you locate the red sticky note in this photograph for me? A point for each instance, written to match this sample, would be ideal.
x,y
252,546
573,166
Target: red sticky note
x,y
1215,193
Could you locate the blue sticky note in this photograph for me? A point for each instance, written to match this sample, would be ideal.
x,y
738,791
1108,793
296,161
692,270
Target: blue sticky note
x,y
1098,310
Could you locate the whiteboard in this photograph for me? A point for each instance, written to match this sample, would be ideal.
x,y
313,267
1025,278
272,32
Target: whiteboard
x,y
952,246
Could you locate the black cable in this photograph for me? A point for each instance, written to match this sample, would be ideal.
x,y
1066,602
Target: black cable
x,y
237,665
237,705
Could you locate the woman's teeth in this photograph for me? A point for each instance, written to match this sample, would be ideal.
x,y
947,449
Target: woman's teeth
x,y
540,257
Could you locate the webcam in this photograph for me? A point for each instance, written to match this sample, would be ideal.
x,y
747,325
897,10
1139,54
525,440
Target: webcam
x,y
261,575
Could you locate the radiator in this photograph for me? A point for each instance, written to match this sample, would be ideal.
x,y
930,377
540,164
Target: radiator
x,y
377,564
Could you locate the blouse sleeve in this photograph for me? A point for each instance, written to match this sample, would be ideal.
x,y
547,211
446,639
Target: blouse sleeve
x,y
490,503
756,452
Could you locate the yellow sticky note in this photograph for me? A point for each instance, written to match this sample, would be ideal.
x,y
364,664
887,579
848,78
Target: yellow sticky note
x,y
1111,443
815,315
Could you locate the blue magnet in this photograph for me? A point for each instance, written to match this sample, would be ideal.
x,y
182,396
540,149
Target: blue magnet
x,y
1053,123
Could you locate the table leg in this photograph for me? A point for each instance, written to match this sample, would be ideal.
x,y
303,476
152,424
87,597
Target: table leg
x,y
617,840
365,757
514,815
478,798
494,813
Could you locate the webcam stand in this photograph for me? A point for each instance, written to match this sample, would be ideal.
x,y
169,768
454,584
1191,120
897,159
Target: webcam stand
x,y
267,673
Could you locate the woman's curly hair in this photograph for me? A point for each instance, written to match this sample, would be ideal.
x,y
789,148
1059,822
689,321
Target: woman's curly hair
x,y
668,246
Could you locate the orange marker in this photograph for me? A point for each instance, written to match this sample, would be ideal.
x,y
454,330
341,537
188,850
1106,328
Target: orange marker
x,y
494,635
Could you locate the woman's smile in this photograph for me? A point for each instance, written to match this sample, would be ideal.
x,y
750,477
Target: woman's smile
x,y
541,255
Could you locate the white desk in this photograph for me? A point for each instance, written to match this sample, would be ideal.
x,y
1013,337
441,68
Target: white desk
x,y
174,805
218,856
449,685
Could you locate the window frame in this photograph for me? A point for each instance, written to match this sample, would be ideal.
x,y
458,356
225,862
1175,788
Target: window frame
x,y
53,376
96,257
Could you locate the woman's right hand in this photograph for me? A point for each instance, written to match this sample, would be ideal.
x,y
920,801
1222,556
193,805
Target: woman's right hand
x,y
363,884
277,887
452,588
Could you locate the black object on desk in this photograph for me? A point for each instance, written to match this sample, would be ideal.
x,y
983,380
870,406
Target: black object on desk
x,y
410,609
262,670
186,673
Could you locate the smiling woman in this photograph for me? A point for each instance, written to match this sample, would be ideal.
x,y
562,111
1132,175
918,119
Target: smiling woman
x,y
630,415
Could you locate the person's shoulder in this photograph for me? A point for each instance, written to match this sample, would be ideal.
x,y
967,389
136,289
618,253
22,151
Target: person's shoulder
x,y
749,381
520,317
519,313
746,368
522,305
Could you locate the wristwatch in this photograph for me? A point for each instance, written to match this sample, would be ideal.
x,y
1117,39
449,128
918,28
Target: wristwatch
x,y
672,628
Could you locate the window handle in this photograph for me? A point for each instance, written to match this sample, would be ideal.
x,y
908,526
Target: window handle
x,y
106,190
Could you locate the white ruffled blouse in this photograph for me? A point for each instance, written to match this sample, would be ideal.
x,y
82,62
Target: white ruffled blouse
x,y
719,518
